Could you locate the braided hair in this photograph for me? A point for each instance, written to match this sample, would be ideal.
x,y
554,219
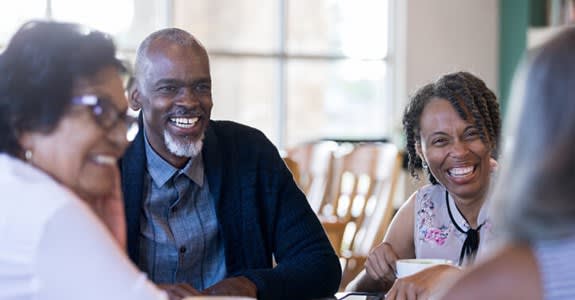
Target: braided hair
x,y
473,101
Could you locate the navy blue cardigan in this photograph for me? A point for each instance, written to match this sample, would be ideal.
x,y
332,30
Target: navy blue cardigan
x,y
261,213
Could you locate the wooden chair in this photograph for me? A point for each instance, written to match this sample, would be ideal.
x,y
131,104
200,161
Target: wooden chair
x,y
315,166
357,217
293,167
351,266
379,210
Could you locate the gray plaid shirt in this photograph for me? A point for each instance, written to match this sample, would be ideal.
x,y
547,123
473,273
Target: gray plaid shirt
x,y
180,239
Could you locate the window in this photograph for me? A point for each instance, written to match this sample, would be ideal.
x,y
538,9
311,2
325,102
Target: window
x,y
17,12
129,21
298,70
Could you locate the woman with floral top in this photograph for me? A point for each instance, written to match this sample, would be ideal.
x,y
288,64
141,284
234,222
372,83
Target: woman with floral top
x,y
534,206
452,128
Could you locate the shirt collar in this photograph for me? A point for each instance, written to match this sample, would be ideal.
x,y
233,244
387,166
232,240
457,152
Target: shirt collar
x,y
161,171
482,217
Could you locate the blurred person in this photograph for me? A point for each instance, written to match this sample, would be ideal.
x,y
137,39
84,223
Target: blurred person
x,y
452,128
211,204
533,199
63,124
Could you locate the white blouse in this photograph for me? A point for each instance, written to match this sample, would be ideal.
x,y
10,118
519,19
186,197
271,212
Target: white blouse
x,y
52,246
436,235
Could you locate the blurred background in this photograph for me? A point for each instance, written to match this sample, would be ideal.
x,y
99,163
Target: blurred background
x,y
303,70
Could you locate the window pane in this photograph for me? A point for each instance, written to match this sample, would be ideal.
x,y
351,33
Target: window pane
x,y
244,90
347,99
96,14
231,25
14,13
129,21
355,28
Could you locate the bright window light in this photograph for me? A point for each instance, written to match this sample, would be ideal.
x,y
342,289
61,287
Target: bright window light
x,y
110,16
363,28
15,13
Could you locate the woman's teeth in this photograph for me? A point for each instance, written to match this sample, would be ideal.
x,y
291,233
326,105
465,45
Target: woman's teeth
x,y
105,159
460,171
184,122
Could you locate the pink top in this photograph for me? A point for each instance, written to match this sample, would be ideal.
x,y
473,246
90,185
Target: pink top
x,y
435,235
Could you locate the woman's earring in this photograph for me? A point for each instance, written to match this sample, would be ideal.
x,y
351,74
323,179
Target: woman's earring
x,y
28,155
424,164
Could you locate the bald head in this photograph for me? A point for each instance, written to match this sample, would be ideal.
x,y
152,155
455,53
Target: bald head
x,y
167,36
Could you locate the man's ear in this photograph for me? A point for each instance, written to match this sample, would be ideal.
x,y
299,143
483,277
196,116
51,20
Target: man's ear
x,y
134,99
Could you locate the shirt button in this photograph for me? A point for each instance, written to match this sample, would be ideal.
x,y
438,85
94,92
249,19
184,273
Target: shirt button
x,y
183,249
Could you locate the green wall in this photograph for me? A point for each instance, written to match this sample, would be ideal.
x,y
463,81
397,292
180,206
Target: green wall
x,y
514,20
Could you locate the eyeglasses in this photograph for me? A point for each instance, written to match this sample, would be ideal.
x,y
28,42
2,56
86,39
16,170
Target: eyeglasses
x,y
107,116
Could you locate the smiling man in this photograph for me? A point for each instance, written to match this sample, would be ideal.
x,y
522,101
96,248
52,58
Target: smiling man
x,y
210,204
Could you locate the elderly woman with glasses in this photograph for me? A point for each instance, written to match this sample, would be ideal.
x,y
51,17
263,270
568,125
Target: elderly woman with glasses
x,y
63,124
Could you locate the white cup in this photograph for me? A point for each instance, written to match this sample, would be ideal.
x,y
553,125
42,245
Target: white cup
x,y
406,267
218,298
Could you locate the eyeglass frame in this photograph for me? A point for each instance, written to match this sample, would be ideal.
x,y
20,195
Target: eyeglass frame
x,y
100,108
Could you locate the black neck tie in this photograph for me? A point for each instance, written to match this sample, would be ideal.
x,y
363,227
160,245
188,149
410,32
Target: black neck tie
x,y
471,243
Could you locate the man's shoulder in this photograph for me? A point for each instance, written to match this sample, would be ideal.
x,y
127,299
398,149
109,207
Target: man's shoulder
x,y
238,141
233,131
231,126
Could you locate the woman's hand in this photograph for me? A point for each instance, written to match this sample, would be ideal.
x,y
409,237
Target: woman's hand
x,y
379,274
421,285
380,264
110,210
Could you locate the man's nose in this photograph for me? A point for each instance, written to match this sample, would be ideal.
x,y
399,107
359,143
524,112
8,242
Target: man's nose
x,y
188,98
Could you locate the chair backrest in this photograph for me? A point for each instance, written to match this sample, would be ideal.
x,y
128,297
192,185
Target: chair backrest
x,y
315,166
379,209
364,187
293,167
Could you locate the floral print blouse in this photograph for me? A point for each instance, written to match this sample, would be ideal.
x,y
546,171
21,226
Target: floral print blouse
x,y
435,236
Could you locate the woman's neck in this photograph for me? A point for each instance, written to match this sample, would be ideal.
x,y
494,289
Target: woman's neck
x,y
470,208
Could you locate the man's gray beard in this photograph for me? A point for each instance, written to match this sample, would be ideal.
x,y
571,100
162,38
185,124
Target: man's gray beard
x,y
183,147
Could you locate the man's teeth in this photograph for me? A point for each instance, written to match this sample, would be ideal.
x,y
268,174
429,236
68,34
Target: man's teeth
x,y
105,159
460,171
184,122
